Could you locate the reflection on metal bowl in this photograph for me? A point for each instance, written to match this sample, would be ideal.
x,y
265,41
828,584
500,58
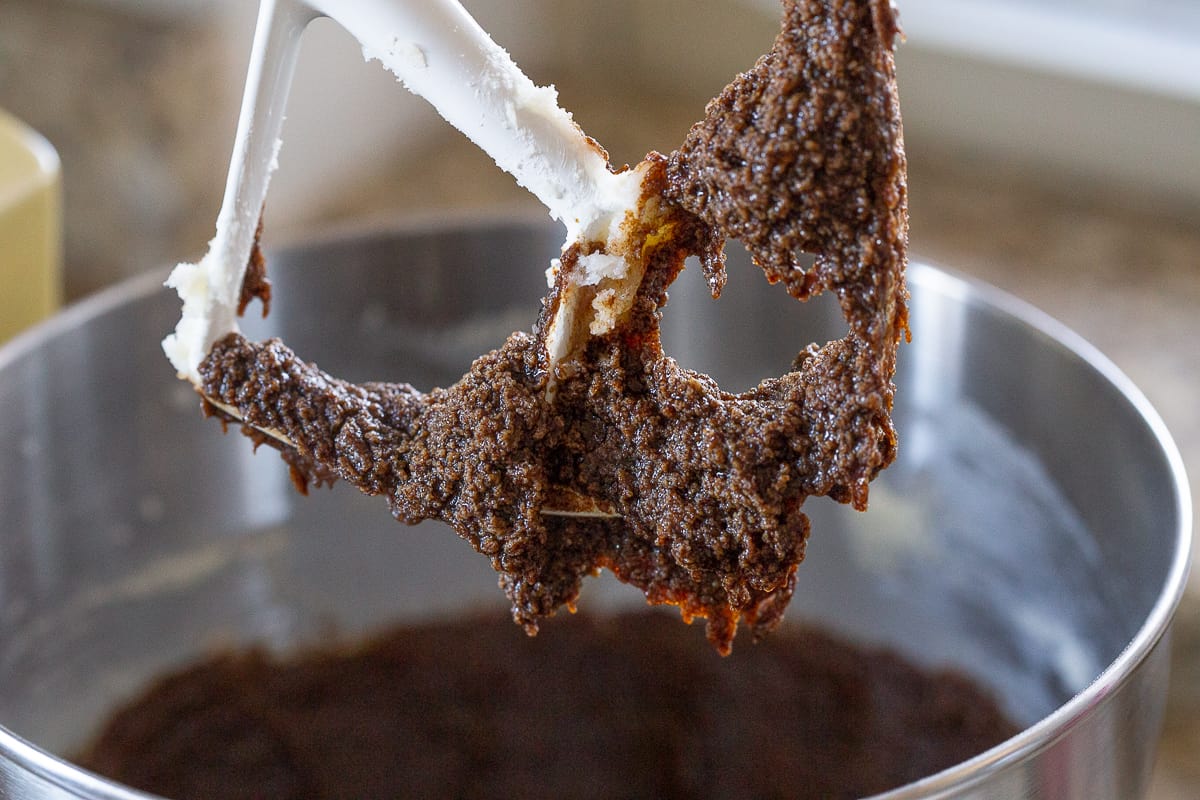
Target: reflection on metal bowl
x,y
1033,530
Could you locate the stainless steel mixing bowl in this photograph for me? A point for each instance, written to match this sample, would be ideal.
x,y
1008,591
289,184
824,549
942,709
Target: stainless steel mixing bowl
x,y
1034,531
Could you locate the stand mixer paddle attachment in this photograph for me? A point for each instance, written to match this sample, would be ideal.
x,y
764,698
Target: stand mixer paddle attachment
x,y
581,445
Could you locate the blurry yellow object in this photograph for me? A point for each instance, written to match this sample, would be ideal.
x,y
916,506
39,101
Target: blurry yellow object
x,y
30,227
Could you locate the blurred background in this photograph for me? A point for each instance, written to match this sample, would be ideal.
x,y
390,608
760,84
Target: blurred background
x,y
1054,150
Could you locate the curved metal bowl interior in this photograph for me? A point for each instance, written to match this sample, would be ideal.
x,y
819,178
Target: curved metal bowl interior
x,y
1033,531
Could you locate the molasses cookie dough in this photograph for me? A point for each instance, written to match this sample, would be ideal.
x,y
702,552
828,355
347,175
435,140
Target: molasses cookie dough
x,y
470,708
702,488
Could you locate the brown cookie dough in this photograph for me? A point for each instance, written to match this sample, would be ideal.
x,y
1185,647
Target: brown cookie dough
x,y
803,153
628,706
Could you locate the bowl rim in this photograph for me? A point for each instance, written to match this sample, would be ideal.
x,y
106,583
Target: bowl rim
x,y
1044,733
1034,738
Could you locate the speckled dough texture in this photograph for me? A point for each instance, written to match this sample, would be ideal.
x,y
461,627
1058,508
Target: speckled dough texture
x,y
803,154
472,709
